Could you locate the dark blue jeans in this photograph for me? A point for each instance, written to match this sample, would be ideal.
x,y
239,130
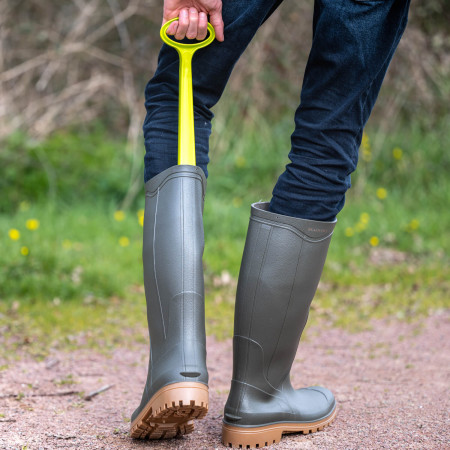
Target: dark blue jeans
x,y
353,43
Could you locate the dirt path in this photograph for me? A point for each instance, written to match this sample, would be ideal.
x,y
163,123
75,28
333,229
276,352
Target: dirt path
x,y
391,384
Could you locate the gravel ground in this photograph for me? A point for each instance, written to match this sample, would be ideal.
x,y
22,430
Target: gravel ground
x,y
391,384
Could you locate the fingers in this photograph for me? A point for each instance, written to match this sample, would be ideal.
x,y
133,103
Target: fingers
x,y
217,23
202,30
194,24
191,32
172,28
183,24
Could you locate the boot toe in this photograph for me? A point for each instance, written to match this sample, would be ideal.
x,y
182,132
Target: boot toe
x,y
316,403
326,393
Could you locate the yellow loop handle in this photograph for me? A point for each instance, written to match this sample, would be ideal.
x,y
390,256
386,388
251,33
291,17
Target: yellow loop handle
x,y
186,133
180,46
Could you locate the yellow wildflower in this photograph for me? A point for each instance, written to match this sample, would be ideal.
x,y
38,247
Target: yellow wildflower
x,y
397,153
140,215
374,241
124,241
240,162
349,231
14,234
237,202
32,224
67,244
364,218
24,206
366,148
365,141
414,224
381,193
119,216
24,251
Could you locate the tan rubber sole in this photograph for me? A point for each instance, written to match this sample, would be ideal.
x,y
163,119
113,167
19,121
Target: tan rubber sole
x,y
259,437
171,411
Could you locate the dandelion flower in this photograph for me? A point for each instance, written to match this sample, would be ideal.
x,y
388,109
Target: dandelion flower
x,y
237,202
14,234
366,147
381,193
240,162
119,215
24,251
365,141
364,218
349,231
140,215
24,206
374,241
32,224
124,241
414,224
67,244
397,153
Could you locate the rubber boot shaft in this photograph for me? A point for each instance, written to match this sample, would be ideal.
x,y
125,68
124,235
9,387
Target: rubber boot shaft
x,y
173,278
281,267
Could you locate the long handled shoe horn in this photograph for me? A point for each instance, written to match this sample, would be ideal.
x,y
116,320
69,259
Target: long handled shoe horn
x,y
186,135
176,390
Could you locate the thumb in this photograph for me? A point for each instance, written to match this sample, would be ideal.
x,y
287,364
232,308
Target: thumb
x,y
216,21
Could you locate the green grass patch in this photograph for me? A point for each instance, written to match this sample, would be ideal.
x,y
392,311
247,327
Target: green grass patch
x,y
71,270
69,253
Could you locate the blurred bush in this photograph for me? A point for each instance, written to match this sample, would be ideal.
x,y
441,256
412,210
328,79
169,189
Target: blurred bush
x,y
82,166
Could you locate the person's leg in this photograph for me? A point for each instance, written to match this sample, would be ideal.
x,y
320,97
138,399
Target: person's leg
x,y
287,241
353,43
281,267
211,67
176,390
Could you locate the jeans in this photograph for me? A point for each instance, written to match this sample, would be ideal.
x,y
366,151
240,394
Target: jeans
x,y
353,44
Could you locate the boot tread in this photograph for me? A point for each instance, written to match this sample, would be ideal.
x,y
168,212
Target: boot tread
x,y
171,411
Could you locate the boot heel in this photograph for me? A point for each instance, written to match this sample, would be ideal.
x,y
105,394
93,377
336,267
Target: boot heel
x,y
170,412
250,437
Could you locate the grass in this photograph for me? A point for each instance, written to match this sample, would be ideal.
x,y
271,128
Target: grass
x,y
71,273
79,282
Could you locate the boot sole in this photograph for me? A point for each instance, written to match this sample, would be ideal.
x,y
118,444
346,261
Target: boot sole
x,y
259,437
171,411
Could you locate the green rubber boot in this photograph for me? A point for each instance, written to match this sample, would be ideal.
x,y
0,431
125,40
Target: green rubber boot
x,y
281,267
176,391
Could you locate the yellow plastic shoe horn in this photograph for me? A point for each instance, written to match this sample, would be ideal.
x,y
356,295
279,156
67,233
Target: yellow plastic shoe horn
x,y
186,134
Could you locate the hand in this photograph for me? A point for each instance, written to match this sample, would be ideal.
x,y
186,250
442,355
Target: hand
x,y
193,18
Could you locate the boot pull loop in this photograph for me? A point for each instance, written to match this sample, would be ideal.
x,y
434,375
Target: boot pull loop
x,y
186,134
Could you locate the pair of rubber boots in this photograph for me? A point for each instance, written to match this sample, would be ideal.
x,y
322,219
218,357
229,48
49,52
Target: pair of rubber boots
x,y
281,267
